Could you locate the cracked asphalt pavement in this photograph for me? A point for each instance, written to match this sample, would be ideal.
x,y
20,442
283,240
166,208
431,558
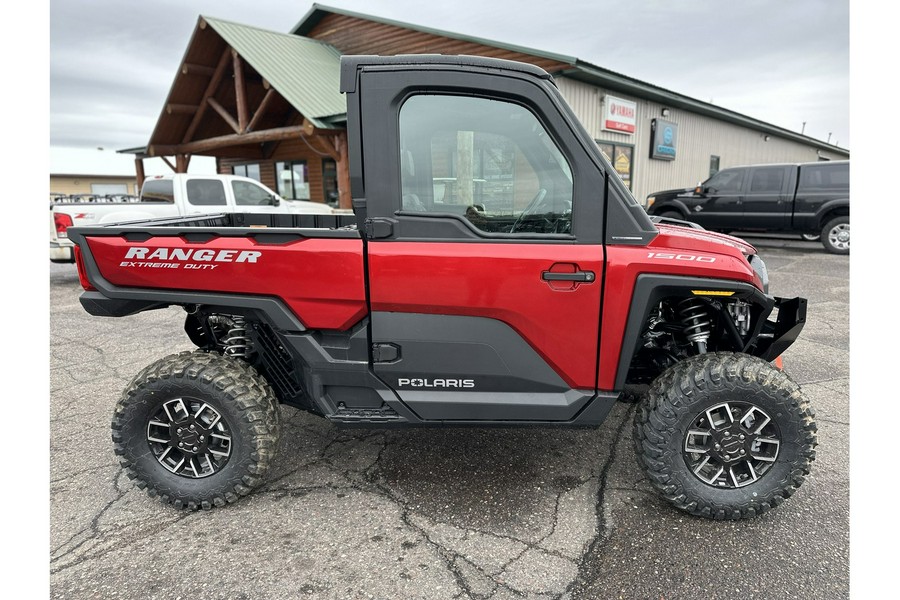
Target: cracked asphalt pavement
x,y
437,513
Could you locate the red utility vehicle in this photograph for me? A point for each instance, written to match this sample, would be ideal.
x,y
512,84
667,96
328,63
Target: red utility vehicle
x,y
496,272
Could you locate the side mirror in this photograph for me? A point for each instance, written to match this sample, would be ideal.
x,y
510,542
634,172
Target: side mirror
x,y
276,201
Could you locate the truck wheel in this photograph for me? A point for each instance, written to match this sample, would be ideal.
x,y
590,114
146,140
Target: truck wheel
x,y
725,435
836,235
197,430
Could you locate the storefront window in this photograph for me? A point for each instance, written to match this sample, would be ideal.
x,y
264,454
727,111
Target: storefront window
x,y
329,181
250,170
293,180
621,157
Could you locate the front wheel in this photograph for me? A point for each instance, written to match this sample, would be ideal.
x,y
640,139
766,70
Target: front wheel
x,y
725,435
196,429
836,235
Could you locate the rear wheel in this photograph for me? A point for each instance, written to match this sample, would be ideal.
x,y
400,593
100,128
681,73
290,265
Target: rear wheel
x,y
725,435
836,235
197,430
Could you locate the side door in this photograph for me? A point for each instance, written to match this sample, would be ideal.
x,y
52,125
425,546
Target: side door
x,y
768,201
484,245
720,204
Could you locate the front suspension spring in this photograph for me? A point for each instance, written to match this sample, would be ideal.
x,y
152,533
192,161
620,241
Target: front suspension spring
x,y
695,318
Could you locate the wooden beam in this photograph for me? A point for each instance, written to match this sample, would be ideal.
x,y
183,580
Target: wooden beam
x,y
261,110
240,91
166,160
255,137
139,171
210,90
192,69
185,109
181,163
225,115
322,145
343,171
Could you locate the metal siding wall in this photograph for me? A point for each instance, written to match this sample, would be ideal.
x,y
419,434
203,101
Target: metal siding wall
x,y
699,137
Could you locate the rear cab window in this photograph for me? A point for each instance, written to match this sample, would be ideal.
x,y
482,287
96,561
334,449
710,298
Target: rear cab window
x,y
158,190
824,177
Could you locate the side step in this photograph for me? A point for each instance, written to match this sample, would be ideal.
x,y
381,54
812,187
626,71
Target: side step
x,y
383,414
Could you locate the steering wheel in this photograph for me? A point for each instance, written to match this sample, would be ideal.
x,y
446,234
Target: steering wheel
x,y
531,208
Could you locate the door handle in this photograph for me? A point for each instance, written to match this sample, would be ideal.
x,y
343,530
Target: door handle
x,y
580,276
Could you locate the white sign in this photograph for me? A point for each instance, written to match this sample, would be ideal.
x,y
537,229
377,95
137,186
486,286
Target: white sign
x,y
619,115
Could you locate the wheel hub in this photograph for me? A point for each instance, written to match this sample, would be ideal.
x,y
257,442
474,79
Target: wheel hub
x,y
189,438
731,444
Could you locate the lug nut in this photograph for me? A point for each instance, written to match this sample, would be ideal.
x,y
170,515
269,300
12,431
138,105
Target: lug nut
x,y
743,452
728,434
727,457
178,430
718,446
201,438
194,448
742,436
192,427
181,444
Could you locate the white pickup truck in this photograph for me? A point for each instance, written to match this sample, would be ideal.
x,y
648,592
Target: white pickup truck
x,y
173,196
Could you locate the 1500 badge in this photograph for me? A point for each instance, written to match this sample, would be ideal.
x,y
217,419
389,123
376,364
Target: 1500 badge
x,y
686,257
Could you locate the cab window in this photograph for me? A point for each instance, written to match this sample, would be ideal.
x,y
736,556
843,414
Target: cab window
x,y
487,161
206,192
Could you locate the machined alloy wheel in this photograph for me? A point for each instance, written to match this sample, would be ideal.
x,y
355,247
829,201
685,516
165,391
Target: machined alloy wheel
x,y
197,429
731,444
725,435
189,438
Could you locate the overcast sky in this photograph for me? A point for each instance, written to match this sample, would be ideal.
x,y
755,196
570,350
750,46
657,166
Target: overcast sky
x,y
785,62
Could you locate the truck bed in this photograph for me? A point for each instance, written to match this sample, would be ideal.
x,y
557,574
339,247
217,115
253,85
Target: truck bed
x,y
308,269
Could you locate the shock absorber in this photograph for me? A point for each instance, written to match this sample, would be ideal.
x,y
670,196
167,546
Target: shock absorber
x,y
237,343
695,318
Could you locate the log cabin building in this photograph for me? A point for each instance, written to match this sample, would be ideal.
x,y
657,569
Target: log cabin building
x,y
266,105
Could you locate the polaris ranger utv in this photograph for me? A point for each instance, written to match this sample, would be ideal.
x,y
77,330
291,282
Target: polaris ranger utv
x,y
495,272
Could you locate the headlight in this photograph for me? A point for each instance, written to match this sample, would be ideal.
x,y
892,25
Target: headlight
x,y
650,201
760,268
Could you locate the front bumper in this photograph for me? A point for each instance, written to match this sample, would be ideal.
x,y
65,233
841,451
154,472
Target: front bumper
x,y
781,328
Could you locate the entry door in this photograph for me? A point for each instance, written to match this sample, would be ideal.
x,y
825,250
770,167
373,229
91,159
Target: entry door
x,y
485,293
723,203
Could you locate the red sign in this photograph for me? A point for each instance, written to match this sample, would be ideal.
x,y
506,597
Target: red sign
x,y
619,115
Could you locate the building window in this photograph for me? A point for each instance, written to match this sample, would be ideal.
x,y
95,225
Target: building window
x,y
250,170
621,157
713,165
330,182
293,180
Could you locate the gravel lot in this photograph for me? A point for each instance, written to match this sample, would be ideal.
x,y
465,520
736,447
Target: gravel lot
x,y
452,513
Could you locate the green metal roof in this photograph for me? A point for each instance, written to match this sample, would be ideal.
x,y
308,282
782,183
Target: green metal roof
x,y
305,72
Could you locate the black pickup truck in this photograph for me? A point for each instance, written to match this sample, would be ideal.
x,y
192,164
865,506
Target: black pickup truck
x,y
812,199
